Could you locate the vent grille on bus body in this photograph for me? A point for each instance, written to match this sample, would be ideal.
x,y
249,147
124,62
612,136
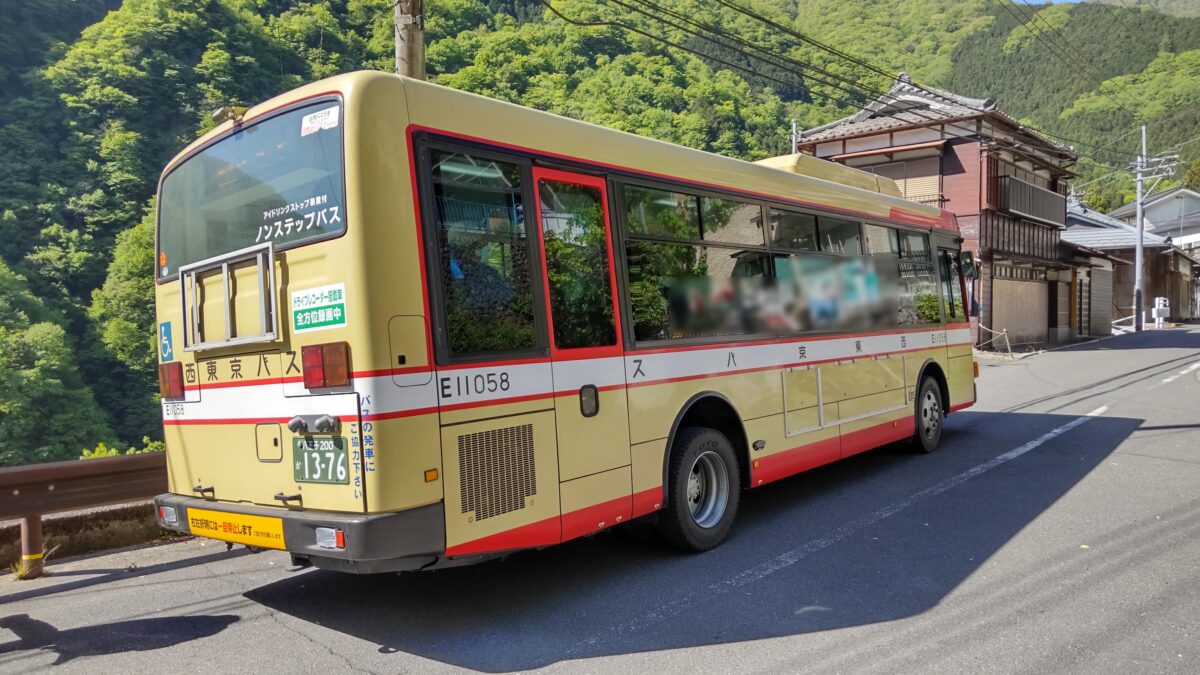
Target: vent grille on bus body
x,y
496,470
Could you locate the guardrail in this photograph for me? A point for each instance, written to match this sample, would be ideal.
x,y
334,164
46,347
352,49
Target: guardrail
x,y
1121,330
30,492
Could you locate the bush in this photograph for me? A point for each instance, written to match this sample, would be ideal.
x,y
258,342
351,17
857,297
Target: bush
x,y
102,450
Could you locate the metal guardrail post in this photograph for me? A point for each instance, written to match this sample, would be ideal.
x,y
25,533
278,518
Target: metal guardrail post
x,y
30,492
31,547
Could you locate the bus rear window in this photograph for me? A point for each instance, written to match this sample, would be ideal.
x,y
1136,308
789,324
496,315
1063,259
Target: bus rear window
x,y
276,181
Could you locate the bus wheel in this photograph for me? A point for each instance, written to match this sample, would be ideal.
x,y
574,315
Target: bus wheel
x,y
930,416
704,489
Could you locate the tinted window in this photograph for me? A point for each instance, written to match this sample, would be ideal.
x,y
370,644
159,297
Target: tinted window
x,y
687,290
731,222
577,265
480,228
839,236
661,213
275,181
797,231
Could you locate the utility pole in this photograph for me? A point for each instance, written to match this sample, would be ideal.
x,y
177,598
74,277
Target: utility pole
x,y
795,139
1141,228
1158,167
410,38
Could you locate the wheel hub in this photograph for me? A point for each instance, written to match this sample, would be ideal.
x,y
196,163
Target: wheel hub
x,y
708,489
931,414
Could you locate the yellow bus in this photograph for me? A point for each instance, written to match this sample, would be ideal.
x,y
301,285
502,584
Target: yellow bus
x,y
404,327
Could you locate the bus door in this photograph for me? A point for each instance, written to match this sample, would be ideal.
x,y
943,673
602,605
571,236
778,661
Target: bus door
x,y
588,372
960,358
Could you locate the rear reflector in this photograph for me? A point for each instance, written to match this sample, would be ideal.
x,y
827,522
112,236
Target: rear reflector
x,y
170,380
975,365
328,537
326,365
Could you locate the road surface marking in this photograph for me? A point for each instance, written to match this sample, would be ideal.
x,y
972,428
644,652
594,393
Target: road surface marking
x,y
795,555
1169,380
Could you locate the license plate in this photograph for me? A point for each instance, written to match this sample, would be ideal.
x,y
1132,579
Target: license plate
x,y
320,459
261,531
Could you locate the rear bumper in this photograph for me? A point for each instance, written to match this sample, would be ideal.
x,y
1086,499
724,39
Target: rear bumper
x,y
374,542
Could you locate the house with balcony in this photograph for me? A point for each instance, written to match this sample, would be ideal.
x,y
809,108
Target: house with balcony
x,y
1005,183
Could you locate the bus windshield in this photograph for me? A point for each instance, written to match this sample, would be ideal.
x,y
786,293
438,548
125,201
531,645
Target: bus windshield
x,y
276,181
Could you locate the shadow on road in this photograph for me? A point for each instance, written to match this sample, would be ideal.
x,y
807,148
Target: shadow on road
x,y
99,576
1184,337
109,638
808,554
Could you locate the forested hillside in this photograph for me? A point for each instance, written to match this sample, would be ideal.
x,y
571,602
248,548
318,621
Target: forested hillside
x,y
100,93
1106,70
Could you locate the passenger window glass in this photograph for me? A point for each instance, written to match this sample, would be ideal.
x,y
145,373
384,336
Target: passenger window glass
x,y
687,290
918,298
484,253
797,231
952,301
577,265
915,246
882,240
661,213
839,236
730,221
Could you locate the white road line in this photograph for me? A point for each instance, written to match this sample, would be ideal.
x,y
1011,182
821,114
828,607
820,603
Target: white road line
x,y
1169,380
795,555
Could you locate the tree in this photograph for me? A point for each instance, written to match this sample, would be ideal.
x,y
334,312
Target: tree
x,y
46,412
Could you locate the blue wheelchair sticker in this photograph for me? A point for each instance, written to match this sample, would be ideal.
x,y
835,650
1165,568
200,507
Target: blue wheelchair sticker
x,y
165,351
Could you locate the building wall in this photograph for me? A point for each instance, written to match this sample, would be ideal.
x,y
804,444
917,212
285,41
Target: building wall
x,y
961,178
1021,308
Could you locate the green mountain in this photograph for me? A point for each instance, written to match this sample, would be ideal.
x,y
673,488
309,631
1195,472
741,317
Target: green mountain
x,y
100,93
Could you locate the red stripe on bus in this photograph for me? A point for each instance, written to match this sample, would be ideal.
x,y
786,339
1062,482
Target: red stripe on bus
x,y
348,419
793,461
647,501
397,414
812,455
596,517
497,401
541,533
862,440
961,406
942,221
787,340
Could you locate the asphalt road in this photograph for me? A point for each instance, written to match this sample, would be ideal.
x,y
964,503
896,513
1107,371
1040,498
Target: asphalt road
x,y
1056,530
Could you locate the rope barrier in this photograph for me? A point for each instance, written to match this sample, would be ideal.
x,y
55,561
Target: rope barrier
x,y
999,334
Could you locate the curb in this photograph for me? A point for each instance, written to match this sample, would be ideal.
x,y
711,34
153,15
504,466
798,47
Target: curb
x,y
1026,355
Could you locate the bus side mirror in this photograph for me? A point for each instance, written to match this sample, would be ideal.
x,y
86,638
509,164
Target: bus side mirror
x,y
967,260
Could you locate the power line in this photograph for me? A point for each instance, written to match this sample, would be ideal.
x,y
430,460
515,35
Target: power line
x,y
1052,38
857,89
869,66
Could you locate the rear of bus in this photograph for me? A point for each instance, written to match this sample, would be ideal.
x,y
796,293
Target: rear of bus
x,y
274,335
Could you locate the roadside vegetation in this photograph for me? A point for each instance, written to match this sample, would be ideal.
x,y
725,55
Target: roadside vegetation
x,y
99,94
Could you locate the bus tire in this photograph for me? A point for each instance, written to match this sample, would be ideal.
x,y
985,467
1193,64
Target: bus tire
x,y
704,490
930,414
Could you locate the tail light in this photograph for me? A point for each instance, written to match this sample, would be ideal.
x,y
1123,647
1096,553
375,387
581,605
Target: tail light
x,y
170,380
326,365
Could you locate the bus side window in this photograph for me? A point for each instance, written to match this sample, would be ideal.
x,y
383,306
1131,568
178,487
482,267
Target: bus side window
x,y
952,301
484,254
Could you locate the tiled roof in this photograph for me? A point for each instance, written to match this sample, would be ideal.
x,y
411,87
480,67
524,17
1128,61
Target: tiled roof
x,y
1086,227
935,105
